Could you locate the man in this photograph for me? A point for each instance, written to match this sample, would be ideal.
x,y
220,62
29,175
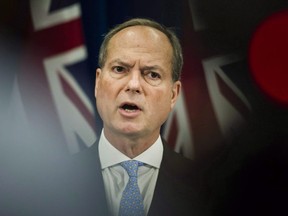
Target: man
x,y
137,86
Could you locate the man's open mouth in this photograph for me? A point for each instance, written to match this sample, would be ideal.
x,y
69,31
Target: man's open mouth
x,y
130,107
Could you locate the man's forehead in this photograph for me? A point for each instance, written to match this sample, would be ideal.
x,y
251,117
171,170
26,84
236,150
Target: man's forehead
x,y
152,44
142,38
142,31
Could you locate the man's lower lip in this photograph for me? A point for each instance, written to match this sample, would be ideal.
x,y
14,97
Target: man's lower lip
x,y
130,113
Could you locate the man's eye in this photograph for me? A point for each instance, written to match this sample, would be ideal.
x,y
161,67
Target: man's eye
x,y
154,75
153,78
118,72
118,69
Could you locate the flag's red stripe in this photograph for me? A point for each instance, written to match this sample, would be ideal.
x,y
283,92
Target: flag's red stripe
x,y
71,94
173,132
59,38
206,131
232,97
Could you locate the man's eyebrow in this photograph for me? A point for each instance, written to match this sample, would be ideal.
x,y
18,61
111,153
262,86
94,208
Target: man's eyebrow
x,y
153,67
120,62
125,64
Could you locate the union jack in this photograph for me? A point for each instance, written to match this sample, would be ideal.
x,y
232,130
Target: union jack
x,y
211,108
53,85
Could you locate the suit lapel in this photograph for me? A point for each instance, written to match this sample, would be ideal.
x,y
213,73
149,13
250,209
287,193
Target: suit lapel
x,y
175,192
89,169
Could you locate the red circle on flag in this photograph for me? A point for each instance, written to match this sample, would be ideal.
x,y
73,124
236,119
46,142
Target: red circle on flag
x,y
268,57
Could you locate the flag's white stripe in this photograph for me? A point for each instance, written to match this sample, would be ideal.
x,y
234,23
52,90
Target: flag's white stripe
x,y
184,140
228,117
43,19
71,118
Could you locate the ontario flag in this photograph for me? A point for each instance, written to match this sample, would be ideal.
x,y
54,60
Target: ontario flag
x,y
53,92
212,108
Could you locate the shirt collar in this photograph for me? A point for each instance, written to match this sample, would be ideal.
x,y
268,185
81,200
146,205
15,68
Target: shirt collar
x,y
110,156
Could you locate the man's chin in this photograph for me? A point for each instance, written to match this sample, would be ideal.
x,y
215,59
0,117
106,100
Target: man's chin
x,y
131,131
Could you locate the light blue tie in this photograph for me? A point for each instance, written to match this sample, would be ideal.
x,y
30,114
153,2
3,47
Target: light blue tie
x,y
131,203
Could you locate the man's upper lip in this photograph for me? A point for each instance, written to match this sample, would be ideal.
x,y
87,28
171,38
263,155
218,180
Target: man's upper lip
x,y
130,104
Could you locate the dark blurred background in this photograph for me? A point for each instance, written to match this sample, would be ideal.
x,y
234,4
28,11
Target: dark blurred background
x,y
48,57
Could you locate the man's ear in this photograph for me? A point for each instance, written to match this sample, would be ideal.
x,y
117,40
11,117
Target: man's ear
x,y
98,72
176,88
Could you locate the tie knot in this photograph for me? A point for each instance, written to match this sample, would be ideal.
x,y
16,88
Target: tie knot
x,y
131,167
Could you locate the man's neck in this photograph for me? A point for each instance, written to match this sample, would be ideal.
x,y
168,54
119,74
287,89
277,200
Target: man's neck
x,y
131,146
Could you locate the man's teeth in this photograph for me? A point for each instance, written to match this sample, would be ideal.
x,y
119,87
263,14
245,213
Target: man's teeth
x,y
130,110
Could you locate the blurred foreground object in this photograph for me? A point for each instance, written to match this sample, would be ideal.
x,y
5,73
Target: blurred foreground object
x,y
268,57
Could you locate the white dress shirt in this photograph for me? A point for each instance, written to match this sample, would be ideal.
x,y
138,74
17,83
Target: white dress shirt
x,y
115,176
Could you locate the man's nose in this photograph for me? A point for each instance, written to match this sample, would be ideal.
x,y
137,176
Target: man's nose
x,y
134,82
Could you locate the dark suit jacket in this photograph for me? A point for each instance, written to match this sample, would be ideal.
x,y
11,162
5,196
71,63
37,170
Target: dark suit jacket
x,y
75,187
176,192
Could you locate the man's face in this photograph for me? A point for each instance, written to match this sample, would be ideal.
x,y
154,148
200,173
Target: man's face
x,y
134,90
